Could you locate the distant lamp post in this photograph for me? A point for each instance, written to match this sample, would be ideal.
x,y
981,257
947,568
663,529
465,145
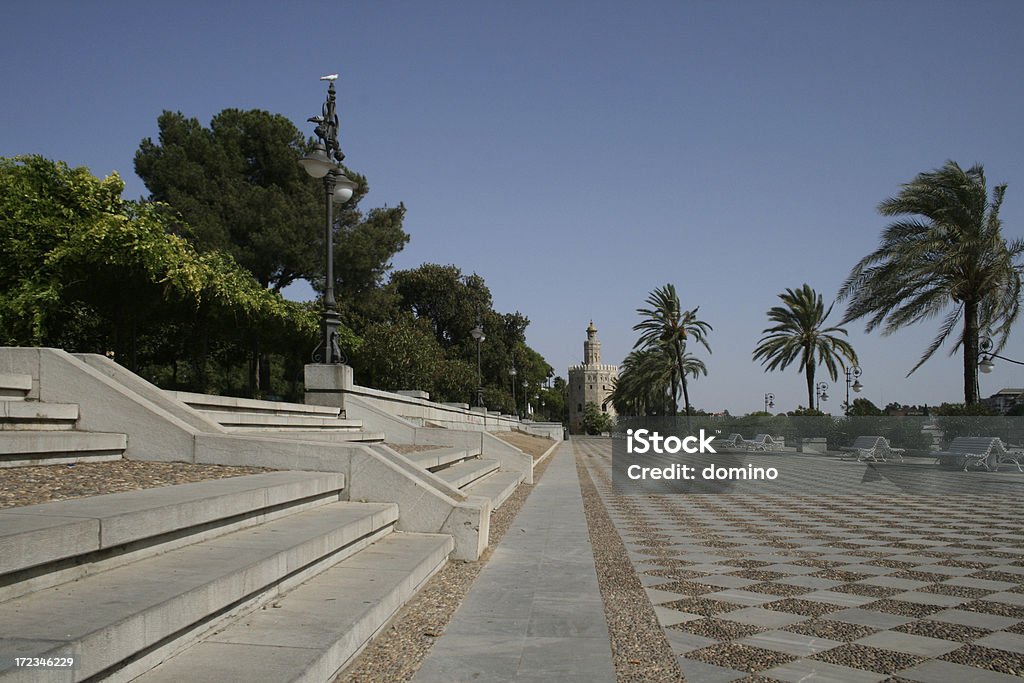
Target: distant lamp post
x,y
986,364
478,334
526,399
512,373
821,390
323,162
852,381
769,401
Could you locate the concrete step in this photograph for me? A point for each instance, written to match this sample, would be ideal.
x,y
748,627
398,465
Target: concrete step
x,y
312,434
71,538
496,487
314,631
237,419
134,614
37,416
19,448
251,405
442,457
468,471
14,387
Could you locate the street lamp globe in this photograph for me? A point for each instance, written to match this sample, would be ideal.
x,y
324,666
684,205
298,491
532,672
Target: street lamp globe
x,y
317,163
344,187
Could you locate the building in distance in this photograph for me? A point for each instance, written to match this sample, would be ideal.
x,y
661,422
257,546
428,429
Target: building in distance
x,y
590,382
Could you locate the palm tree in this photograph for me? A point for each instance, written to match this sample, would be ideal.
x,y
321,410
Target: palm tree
x,y
645,382
945,255
665,324
799,332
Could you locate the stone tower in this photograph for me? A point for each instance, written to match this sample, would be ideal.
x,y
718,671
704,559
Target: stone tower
x,y
590,382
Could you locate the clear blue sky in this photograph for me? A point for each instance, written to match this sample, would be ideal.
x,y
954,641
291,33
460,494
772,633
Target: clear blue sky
x,y
579,154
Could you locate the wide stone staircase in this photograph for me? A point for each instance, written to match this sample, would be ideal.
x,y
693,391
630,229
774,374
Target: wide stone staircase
x,y
274,577
36,433
462,469
467,470
269,577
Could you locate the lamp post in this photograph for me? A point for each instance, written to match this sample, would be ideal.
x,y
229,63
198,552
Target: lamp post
x,y
323,162
986,364
821,390
512,373
769,401
478,334
852,376
526,399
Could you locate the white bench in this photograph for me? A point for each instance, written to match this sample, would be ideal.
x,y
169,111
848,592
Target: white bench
x,y
982,451
762,442
873,448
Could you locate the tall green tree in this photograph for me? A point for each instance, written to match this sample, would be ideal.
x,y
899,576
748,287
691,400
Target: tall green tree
x,y
86,270
239,187
451,304
945,255
666,324
645,385
800,334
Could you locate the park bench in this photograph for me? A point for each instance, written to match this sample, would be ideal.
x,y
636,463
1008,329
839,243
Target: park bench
x,y
981,451
733,441
762,442
873,448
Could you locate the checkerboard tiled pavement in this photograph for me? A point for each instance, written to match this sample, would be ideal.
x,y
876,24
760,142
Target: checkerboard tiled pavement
x,y
880,587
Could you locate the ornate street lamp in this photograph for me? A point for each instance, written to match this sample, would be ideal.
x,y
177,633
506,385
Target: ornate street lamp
x,y
478,334
986,364
769,401
526,399
821,389
323,162
852,376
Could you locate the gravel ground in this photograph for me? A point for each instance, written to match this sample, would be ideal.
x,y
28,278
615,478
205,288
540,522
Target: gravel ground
x,y
527,443
396,654
640,651
45,483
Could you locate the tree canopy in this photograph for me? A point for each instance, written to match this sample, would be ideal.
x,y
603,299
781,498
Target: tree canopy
x,y
799,334
89,271
944,256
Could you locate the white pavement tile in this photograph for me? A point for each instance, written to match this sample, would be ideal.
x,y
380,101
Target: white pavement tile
x,y
911,644
811,671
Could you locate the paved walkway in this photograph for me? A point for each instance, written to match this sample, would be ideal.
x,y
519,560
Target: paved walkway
x,y
837,571
535,611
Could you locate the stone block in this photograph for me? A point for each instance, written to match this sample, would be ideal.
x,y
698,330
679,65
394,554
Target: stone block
x,y
814,446
414,393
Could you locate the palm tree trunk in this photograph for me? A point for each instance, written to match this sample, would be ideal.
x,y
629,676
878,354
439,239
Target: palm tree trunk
x,y
686,396
675,395
810,386
970,352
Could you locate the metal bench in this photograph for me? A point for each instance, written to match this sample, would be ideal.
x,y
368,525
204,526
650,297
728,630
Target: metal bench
x,y
762,442
873,448
981,451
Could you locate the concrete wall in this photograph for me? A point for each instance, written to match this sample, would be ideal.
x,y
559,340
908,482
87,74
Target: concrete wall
x,y
421,412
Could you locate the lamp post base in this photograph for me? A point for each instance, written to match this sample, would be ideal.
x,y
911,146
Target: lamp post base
x,y
328,351
326,385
